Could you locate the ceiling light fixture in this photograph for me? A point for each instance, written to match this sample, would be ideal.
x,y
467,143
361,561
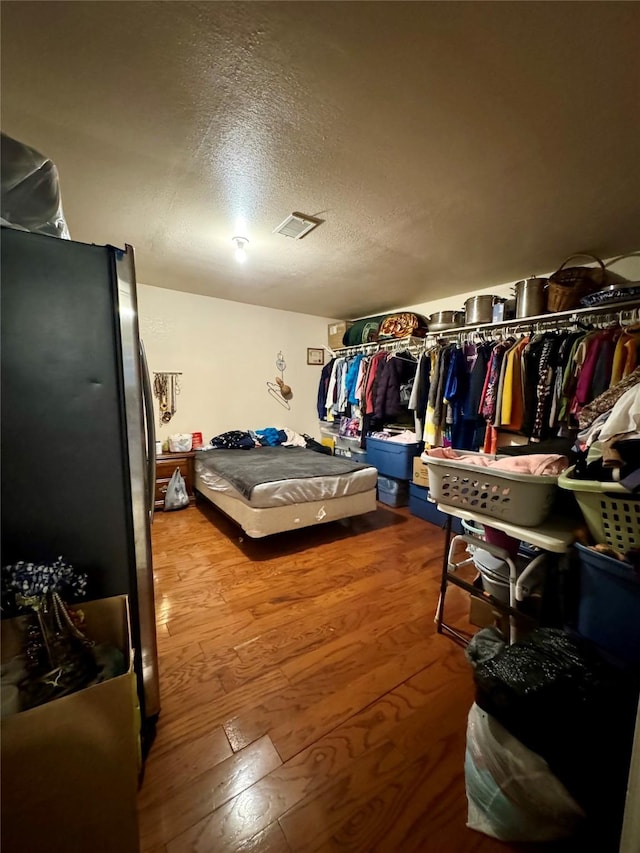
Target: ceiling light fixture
x,y
240,253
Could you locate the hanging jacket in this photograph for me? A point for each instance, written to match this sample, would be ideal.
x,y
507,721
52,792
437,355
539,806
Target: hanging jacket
x,y
323,387
352,378
374,368
394,372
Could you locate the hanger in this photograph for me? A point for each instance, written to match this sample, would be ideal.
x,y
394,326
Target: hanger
x,y
633,325
277,392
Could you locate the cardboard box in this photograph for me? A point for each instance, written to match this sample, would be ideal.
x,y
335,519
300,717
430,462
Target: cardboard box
x,y
336,333
70,767
420,472
483,615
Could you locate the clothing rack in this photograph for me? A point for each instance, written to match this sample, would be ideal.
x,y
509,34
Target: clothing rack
x,y
412,344
625,313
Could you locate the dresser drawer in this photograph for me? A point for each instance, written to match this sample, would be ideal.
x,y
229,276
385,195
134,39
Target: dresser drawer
x,y
161,490
164,470
165,466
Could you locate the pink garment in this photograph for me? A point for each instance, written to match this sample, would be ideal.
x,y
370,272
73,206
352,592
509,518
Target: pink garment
x,y
404,437
540,464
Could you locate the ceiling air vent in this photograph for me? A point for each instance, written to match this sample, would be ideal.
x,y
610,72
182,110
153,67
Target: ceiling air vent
x,y
297,225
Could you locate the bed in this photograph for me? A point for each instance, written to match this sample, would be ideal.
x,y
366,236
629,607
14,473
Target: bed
x,y
274,489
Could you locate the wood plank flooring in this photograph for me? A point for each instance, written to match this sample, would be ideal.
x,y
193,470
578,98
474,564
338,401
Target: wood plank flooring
x,y
307,702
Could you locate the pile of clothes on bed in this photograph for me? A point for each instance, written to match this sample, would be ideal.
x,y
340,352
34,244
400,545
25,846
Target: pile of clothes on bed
x,y
268,437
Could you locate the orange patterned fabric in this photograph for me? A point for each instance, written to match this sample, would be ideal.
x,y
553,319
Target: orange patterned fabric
x,y
402,326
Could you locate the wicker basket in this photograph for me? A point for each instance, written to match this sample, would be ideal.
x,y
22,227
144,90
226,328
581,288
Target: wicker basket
x,y
567,285
523,499
612,512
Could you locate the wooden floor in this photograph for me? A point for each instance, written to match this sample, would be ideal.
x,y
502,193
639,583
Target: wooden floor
x,y
307,702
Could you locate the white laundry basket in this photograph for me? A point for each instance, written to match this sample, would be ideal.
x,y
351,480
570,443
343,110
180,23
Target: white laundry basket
x,y
523,499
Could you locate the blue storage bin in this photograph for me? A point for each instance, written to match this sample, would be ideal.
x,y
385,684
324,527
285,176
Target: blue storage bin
x,y
422,507
609,604
393,492
391,458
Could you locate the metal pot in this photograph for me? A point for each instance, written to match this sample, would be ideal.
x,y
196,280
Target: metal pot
x,y
443,320
479,309
531,297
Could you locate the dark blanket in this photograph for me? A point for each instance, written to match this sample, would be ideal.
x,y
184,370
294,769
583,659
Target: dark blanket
x,y
245,470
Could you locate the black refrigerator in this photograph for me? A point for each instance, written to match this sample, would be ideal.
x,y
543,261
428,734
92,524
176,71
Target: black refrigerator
x,y
77,432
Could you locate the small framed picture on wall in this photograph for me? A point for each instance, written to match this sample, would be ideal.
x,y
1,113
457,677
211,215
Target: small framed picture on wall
x,y
315,356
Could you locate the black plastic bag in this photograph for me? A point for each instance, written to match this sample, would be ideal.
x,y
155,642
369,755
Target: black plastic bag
x,y
557,695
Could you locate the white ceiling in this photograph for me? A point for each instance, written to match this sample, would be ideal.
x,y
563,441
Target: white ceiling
x,y
447,146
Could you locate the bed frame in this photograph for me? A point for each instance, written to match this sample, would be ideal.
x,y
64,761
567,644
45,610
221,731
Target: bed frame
x,y
259,522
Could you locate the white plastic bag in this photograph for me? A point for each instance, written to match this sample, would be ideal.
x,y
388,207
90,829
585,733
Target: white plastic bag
x,y
30,190
512,793
176,496
180,442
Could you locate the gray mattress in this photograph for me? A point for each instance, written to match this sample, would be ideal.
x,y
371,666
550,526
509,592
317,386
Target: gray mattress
x,y
246,469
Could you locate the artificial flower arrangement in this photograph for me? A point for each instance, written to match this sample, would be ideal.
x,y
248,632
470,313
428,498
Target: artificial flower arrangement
x,y
57,654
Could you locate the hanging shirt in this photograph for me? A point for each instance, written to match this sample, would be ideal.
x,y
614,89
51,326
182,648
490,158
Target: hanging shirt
x,y
332,389
587,367
351,378
513,391
420,394
374,367
491,385
432,433
362,372
456,383
323,387
497,418
546,375
625,358
531,362
477,378
341,388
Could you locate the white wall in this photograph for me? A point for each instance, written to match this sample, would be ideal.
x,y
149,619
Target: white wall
x,y
227,352
629,268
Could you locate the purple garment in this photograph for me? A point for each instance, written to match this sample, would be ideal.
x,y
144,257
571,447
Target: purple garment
x,y
488,410
583,395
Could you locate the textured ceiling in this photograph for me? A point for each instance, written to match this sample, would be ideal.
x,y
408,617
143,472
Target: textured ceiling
x,y
447,146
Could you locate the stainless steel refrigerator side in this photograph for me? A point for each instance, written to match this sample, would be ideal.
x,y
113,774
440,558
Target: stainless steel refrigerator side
x,y
147,396
133,390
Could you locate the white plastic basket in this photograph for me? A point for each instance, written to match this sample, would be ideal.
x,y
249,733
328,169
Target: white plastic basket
x,y
611,512
523,499
180,442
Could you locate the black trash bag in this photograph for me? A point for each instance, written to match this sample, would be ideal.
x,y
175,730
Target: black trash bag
x,y
557,695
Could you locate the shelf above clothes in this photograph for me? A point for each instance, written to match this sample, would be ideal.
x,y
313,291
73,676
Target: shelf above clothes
x,y
625,313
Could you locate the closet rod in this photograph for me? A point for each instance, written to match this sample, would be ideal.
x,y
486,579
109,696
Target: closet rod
x,y
570,316
375,346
